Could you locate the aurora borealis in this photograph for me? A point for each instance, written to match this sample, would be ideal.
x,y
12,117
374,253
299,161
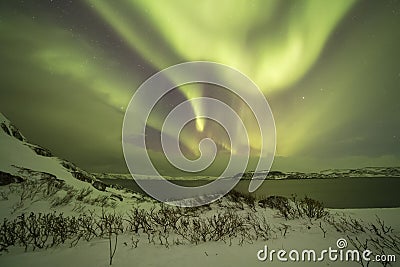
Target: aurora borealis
x,y
329,69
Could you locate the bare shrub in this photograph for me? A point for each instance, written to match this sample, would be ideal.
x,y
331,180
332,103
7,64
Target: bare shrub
x,y
277,202
65,200
260,227
83,193
312,208
378,236
239,199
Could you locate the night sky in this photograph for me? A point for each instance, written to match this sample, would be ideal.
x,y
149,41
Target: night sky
x,y
329,69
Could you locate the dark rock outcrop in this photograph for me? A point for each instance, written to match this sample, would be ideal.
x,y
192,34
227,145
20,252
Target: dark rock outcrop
x,y
82,176
99,185
41,151
69,166
16,133
117,197
5,128
7,178
48,176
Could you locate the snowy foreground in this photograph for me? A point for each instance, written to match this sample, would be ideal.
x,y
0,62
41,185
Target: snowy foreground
x,y
186,248
54,214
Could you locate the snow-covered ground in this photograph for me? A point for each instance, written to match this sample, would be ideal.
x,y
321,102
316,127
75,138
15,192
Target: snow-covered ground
x,y
302,234
35,181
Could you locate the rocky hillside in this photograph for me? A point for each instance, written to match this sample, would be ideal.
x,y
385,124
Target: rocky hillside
x,y
21,160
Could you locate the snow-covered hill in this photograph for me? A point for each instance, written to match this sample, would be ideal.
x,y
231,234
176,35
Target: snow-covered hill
x,y
33,179
22,160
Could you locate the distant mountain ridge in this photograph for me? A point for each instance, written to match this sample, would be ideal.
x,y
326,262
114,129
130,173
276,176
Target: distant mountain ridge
x,y
20,159
330,173
278,175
